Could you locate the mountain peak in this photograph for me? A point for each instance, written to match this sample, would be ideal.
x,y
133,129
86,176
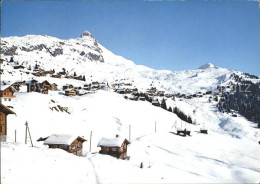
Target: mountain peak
x,y
207,65
86,34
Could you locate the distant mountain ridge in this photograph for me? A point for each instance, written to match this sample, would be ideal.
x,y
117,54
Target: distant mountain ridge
x,y
85,56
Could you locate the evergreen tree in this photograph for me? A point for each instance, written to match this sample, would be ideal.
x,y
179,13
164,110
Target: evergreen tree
x,y
163,104
11,60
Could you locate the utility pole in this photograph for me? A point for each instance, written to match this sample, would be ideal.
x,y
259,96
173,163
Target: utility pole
x,y
129,132
90,141
15,135
27,129
26,132
155,126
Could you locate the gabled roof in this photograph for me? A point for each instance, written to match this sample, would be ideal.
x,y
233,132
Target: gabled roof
x,y
31,81
4,87
5,109
64,139
70,89
112,142
46,82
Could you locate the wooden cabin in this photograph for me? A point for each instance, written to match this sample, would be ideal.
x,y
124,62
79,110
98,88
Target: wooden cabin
x,y
22,83
67,86
18,67
70,143
7,92
121,91
39,74
204,131
183,132
56,76
54,87
70,92
16,86
4,111
156,103
69,77
116,147
45,86
50,72
78,77
142,98
62,73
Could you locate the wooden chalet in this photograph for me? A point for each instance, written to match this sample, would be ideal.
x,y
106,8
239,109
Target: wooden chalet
x,y
183,132
18,67
156,103
70,143
78,77
45,86
69,77
22,82
56,76
16,86
4,111
67,86
141,98
95,84
87,87
39,74
1,61
116,147
62,73
204,131
54,87
7,92
50,72
70,92
121,91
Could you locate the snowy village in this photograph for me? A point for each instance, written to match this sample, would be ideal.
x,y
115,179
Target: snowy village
x,y
72,111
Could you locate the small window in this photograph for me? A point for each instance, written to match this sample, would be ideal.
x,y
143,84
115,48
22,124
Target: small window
x,y
113,149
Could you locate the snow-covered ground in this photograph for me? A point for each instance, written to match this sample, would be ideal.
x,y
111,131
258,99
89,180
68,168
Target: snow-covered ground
x,y
229,153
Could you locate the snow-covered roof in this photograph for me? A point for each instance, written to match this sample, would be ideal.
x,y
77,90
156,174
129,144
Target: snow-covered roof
x,y
60,139
69,89
111,142
4,87
31,81
155,101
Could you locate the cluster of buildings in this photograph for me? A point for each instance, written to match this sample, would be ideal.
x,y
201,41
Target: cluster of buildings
x,y
71,90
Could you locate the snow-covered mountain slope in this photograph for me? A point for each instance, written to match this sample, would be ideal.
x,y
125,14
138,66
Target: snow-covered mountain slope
x,y
85,56
229,153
